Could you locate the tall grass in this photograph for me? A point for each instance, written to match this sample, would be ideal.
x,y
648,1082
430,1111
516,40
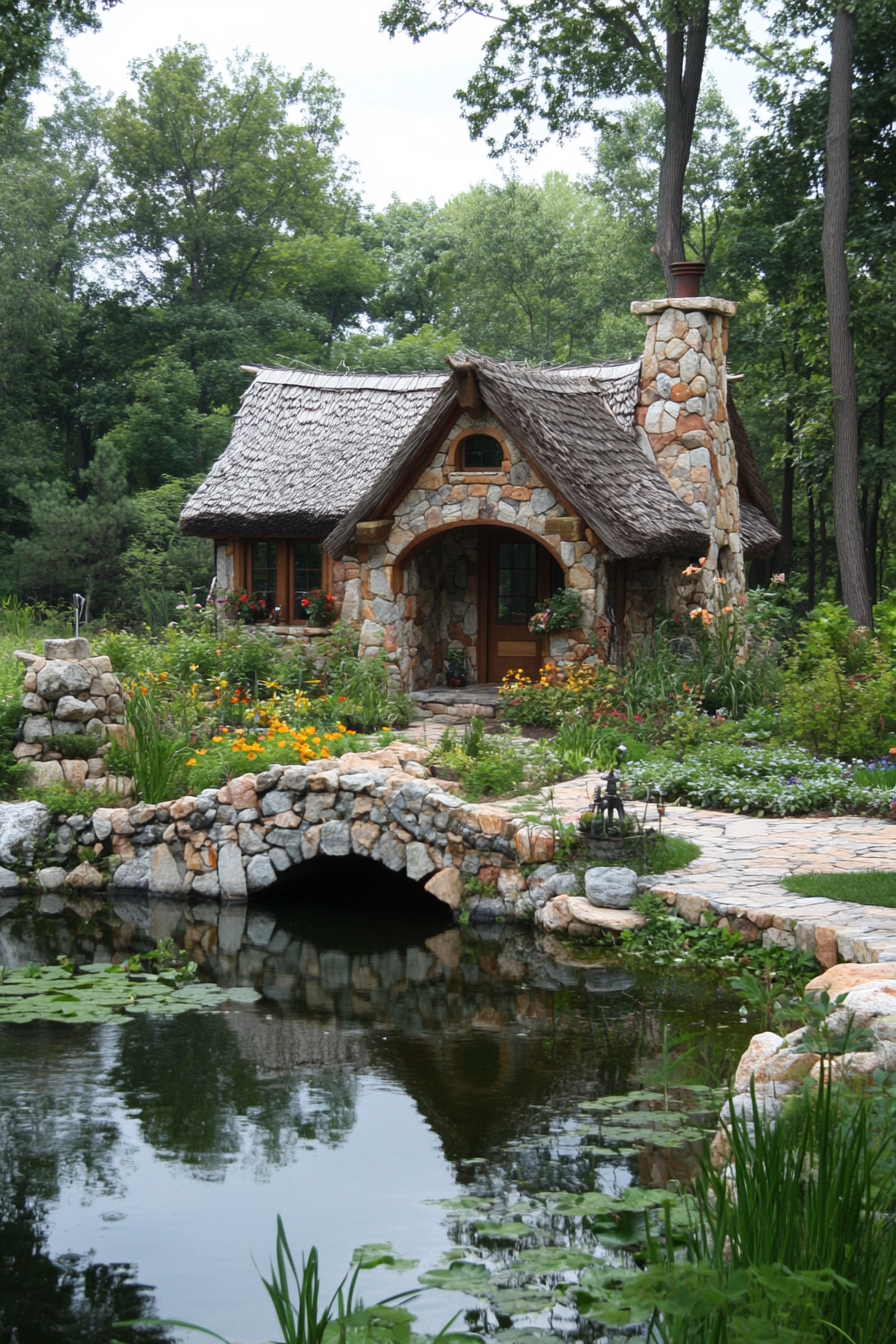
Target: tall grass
x,y
307,1321
155,755
796,1241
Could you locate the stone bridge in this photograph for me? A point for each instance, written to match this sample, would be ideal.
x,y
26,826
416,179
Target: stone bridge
x,y
381,805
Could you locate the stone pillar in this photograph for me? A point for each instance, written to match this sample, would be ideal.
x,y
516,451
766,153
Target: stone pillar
x,y
682,419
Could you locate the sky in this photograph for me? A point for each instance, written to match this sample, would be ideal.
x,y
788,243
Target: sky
x,y
403,124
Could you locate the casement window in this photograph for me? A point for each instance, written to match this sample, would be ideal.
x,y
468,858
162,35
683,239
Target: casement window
x,y
479,452
282,572
307,572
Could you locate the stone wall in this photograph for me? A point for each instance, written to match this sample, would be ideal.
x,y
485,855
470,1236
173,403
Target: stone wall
x,y
682,421
70,694
396,612
240,839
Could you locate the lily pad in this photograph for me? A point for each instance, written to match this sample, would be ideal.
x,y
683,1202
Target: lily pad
x,y
552,1260
462,1276
504,1231
376,1253
520,1301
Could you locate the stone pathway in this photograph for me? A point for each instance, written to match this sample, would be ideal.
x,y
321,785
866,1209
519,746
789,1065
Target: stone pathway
x,y
744,858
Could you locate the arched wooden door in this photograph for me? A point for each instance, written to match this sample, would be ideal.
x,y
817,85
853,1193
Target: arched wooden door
x,y
515,574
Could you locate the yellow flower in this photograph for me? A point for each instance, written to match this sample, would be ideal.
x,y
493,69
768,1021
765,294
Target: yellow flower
x,y
202,751
250,755
191,761
217,739
194,667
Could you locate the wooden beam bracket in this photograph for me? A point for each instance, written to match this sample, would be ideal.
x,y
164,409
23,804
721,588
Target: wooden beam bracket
x,y
567,529
375,529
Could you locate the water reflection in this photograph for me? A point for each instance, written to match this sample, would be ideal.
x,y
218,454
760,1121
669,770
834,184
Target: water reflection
x,y
391,1060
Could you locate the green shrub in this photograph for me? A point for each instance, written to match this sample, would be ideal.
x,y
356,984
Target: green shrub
x,y
778,780
795,1240
839,702
11,772
73,746
61,800
494,765
589,691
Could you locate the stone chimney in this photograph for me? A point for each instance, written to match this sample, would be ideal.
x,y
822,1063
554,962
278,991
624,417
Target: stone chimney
x,y
682,421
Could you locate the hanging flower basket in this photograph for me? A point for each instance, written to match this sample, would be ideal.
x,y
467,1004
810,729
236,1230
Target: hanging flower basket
x,y
563,611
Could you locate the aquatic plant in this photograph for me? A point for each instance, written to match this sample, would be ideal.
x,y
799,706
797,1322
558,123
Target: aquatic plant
x,y
104,993
307,1321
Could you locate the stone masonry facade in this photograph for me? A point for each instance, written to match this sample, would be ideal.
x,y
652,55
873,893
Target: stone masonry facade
x,y
682,420
388,584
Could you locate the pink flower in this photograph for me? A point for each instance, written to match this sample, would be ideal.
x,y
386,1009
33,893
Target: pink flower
x,y
181,606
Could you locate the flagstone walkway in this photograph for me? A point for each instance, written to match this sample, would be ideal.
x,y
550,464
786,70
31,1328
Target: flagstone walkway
x,y
742,861
744,858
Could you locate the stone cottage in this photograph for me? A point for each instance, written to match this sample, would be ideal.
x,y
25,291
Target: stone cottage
x,y
439,508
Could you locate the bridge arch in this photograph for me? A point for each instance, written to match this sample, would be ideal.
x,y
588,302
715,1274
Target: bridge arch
x,y
383,806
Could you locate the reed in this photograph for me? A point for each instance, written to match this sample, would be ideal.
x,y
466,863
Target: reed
x,y
796,1240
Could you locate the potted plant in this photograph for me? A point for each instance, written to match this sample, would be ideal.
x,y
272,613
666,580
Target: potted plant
x,y
563,611
239,605
455,667
319,607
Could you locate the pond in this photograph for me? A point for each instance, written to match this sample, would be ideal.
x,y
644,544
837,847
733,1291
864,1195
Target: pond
x,y
400,1080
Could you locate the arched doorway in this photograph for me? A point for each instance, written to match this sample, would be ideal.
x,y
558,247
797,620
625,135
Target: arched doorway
x,y
475,586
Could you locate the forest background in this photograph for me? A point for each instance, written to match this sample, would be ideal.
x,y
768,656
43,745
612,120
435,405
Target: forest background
x,y
153,246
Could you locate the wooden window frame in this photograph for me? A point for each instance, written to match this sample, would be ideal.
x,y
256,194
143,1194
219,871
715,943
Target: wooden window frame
x,y
242,575
456,454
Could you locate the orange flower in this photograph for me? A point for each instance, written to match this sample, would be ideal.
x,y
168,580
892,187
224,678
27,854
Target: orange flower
x,y
727,608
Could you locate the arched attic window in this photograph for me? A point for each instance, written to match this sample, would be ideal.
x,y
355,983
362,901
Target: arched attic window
x,y
480,452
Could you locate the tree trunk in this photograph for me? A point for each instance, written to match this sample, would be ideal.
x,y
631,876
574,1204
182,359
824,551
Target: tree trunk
x,y
810,514
822,541
685,54
847,521
783,557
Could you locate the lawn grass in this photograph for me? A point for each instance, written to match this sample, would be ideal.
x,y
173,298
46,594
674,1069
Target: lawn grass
x,y
860,888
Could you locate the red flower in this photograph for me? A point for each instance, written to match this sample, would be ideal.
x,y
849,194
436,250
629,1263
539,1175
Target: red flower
x,y
304,601
243,598
261,603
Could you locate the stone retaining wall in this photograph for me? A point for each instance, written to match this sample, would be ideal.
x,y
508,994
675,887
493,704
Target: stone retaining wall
x,y
70,694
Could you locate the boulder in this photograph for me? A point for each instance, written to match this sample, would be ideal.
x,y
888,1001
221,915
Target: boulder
x,y
761,1049
43,773
66,649
335,838
231,874
447,886
851,975
8,880
51,879
72,710
587,918
22,827
86,877
418,862
534,844
37,728
260,873
56,679
611,888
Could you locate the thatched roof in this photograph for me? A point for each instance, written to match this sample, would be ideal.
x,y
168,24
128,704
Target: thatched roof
x,y
757,535
758,520
305,448
314,453
560,420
